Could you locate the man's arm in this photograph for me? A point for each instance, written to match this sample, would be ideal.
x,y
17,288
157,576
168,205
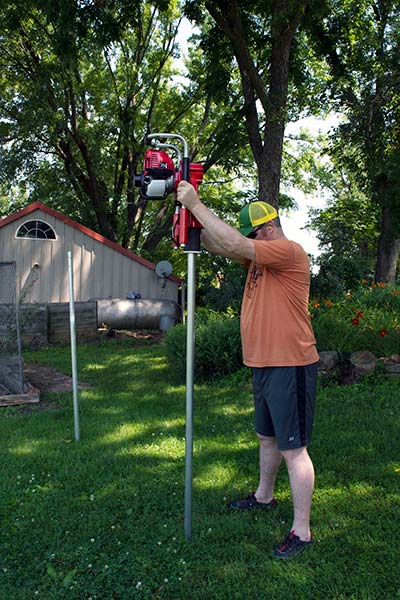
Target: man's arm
x,y
219,234
218,249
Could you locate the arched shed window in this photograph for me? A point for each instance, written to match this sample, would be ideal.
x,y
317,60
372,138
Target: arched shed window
x,y
36,230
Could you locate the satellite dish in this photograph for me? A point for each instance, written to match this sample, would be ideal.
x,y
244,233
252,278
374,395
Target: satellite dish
x,y
163,269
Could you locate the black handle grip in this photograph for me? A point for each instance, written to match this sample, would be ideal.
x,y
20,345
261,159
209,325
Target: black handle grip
x,y
193,243
186,169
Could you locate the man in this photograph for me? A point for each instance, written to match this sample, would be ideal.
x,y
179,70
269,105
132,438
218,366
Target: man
x,y
279,344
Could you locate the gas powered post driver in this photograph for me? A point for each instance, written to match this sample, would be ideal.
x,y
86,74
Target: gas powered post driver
x,y
161,177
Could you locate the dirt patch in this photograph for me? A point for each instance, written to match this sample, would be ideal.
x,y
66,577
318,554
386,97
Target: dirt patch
x,y
47,379
139,337
41,406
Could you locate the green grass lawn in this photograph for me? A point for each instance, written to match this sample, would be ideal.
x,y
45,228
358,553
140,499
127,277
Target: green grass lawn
x,y
103,518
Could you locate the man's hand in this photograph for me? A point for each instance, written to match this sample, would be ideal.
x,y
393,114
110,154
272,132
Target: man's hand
x,y
187,195
220,238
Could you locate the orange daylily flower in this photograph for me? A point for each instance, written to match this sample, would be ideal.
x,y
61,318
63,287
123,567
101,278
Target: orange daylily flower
x,y
355,321
383,332
329,303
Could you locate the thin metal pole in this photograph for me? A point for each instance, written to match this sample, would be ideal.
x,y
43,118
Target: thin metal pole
x,y
73,346
183,292
17,323
189,392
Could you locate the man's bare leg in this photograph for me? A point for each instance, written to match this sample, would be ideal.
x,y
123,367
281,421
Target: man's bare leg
x,y
301,477
270,461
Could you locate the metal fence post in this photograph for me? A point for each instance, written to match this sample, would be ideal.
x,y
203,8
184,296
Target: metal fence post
x,y
189,391
73,346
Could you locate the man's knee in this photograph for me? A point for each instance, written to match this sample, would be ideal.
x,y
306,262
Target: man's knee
x,y
266,440
294,454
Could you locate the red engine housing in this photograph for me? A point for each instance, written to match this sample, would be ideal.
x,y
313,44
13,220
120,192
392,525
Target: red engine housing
x,y
157,159
160,177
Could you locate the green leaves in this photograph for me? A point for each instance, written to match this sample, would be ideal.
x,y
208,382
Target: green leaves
x,y
59,578
83,83
69,577
218,349
359,41
52,572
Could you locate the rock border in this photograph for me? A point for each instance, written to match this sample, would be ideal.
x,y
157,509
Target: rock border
x,y
331,366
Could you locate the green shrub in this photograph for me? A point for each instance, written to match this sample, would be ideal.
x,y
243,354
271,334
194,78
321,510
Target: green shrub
x,y
175,350
206,314
368,319
221,287
218,348
381,296
338,275
335,331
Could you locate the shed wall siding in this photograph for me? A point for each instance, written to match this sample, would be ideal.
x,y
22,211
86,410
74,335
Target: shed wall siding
x,y
99,271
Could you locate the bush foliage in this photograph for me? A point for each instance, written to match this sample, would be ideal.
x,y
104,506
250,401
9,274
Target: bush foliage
x,y
338,275
218,348
221,287
368,319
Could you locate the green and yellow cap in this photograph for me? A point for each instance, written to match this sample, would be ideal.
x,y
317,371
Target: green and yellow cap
x,y
254,214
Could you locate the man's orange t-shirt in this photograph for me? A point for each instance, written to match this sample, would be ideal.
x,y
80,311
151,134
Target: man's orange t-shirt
x,y
275,324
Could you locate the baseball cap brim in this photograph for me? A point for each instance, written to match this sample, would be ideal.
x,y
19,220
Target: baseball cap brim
x,y
246,230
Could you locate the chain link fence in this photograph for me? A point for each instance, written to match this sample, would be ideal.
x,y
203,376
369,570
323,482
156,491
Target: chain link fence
x,y
11,371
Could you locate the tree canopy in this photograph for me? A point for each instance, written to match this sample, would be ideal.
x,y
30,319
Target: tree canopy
x,y
83,84
360,43
84,81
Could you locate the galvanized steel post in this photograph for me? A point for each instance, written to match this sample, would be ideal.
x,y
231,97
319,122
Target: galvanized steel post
x,y
189,391
73,346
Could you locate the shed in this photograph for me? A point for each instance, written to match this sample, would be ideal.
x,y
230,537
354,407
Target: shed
x,y
38,238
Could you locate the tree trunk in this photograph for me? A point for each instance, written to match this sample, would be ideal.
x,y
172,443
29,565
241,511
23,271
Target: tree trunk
x,y
271,94
388,251
286,17
269,181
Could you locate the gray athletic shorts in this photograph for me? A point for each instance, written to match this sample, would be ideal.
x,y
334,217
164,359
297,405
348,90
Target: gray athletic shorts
x,y
284,400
